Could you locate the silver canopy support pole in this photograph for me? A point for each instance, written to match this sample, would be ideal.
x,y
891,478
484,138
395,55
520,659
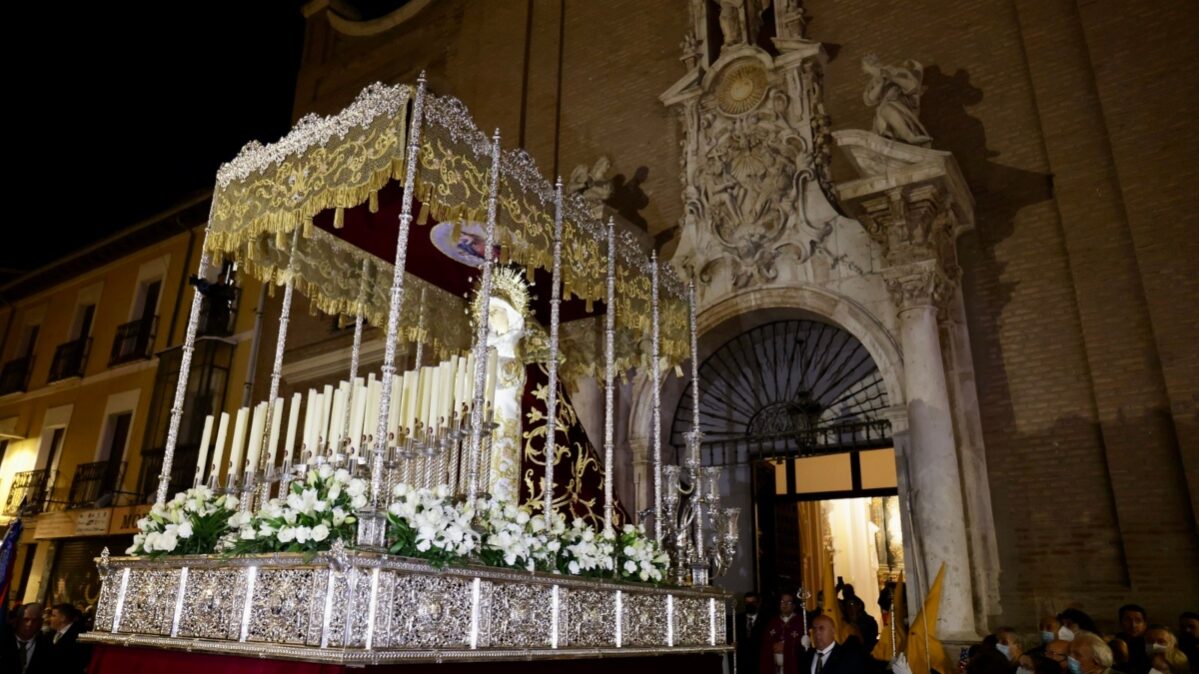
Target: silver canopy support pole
x,y
185,364
551,397
656,380
609,377
372,521
477,416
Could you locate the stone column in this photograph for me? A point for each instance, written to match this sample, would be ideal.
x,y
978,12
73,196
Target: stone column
x,y
934,477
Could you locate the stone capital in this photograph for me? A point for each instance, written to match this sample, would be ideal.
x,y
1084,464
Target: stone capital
x,y
919,284
912,201
911,223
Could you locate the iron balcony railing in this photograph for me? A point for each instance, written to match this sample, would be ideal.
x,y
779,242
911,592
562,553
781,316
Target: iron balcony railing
x,y
134,341
69,359
93,480
29,492
14,377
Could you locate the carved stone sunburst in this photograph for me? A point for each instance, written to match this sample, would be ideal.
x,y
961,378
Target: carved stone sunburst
x,y
741,88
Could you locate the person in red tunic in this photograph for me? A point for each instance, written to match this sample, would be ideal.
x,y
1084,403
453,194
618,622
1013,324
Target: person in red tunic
x,y
781,639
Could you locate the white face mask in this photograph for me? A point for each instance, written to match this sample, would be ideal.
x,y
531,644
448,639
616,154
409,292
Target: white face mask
x,y
1065,633
1150,649
1047,636
1022,670
1005,649
1155,670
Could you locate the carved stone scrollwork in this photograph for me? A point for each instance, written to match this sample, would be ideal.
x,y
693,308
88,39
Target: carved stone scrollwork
x,y
745,172
755,156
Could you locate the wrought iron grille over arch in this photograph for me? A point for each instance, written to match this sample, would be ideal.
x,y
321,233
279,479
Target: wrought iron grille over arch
x,y
780,379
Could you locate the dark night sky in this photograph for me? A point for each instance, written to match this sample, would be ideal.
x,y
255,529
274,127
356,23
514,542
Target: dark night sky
x,y
119,110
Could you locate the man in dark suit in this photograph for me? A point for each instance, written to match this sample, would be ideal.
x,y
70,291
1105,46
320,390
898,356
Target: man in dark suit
x,y
23,647
749,627
827,656
67,654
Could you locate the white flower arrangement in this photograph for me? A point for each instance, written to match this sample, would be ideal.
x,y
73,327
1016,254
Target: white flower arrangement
x,y
192,523
515,537
640,557
424,523
316,511
586,552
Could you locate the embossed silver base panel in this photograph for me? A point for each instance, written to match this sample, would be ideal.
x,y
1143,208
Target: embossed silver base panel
x,y
368,608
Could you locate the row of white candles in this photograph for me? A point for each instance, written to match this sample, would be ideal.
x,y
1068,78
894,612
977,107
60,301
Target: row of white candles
x,y
422,398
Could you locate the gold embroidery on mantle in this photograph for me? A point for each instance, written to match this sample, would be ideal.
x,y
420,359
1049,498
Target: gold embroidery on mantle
x,y
571,495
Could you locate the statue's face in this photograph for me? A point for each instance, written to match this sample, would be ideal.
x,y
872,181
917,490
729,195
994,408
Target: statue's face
x,y
497,319
505,323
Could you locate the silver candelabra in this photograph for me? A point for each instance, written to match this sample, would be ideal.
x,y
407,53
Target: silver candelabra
x,y
699,535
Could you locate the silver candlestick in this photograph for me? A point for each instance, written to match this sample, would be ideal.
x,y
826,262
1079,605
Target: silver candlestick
x,y
700,536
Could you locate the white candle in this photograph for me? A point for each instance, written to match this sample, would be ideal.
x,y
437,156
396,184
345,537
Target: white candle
x,y
458,397
492,367
456,371
435,394
293,421
371,425
447,389
272,444
404,400
310,416
205,436
326,406
426,395
257,431
393,412
468,386
412,394
219,451
239,442
335,420
318,432
358,414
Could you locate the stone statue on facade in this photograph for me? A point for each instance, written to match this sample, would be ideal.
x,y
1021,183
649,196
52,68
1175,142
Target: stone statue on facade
x,y
592,183
732,21
895,93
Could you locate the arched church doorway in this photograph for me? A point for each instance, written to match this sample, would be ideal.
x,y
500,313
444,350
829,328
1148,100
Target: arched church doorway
x,y
800,403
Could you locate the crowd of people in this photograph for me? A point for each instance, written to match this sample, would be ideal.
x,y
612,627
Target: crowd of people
x,y
773,641
36,639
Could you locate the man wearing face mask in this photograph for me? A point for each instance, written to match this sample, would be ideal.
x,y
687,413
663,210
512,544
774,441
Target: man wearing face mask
x,y
1162,653
1133,622
750,626
1089,654
1008,643
1049,627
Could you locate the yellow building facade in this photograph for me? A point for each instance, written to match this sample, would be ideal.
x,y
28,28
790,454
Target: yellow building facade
x,y
90,352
